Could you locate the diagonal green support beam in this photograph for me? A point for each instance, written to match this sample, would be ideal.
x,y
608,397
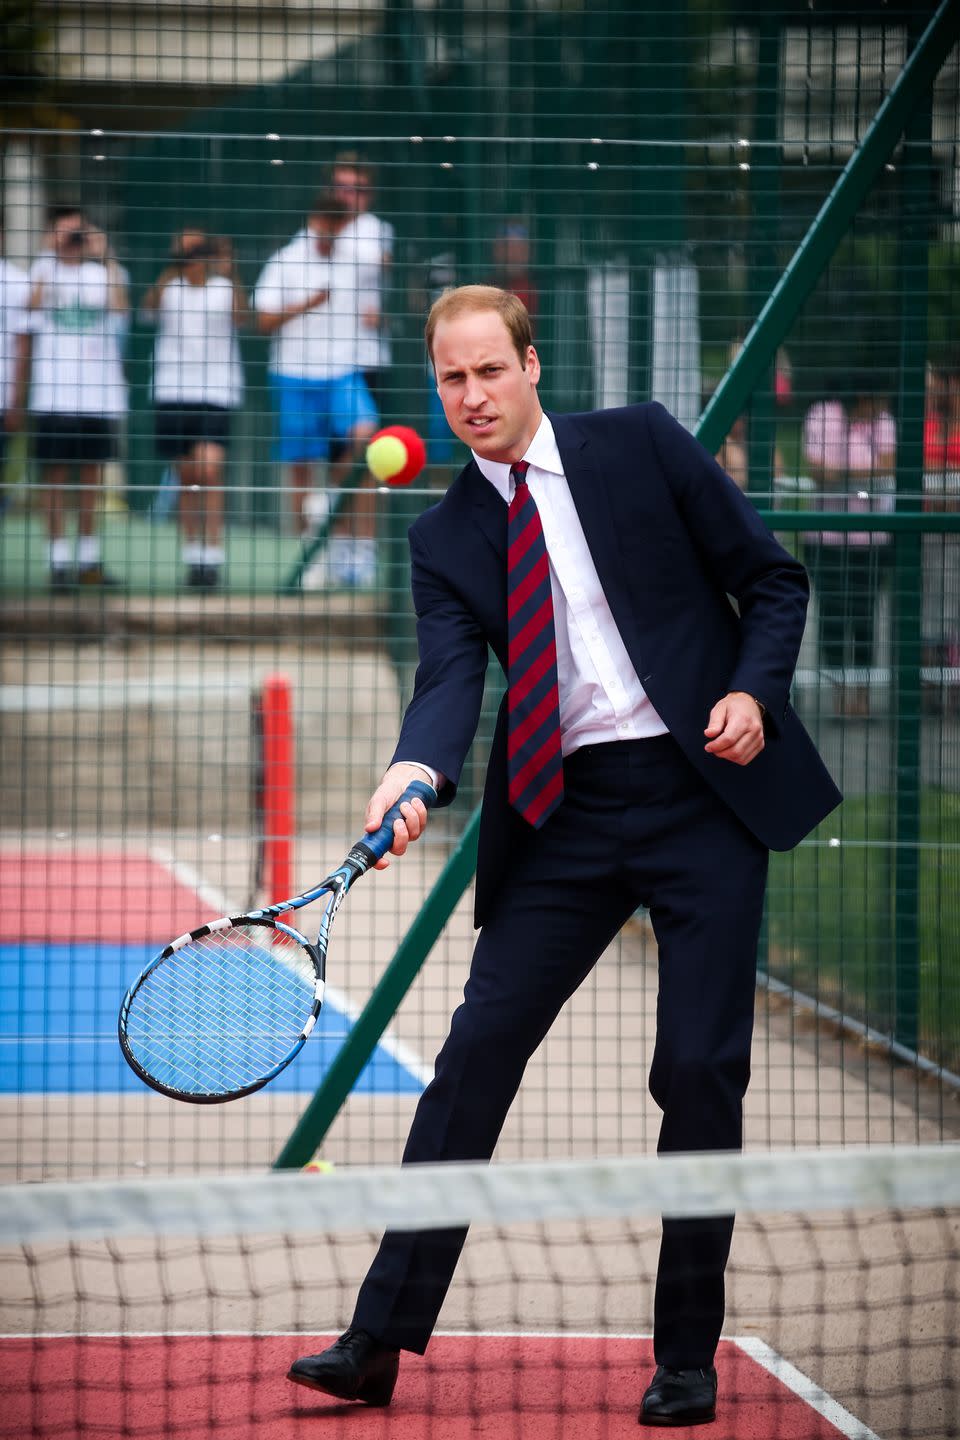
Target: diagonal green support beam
x,y
727,402
829,226
384,1000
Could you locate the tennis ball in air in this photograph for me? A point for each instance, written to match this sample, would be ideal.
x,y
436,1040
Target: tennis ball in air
x,y
396,455
316,1166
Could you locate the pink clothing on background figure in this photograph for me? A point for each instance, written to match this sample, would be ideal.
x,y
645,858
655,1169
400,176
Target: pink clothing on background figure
x,y
871,443
825,435
859,453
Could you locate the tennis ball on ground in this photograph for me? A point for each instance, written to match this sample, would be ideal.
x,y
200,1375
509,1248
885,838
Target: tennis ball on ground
x,y
316,1166
396,455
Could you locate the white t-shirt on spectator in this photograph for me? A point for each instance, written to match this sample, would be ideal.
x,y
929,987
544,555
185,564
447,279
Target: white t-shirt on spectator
x,y
320,344
196,359
77,368
366,245
14,295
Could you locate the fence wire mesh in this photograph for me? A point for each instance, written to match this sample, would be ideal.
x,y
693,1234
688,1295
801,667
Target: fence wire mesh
x,y
185,518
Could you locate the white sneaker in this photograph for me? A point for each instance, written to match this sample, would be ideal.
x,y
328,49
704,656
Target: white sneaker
x,y
317,505
340,553
363,564
318,574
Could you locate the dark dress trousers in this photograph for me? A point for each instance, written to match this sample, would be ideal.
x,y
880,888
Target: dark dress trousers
x,y
706,601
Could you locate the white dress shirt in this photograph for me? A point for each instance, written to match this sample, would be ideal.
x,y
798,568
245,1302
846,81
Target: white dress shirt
x,y
601,698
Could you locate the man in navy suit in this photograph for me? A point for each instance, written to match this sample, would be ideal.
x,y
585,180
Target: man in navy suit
x,y
676,622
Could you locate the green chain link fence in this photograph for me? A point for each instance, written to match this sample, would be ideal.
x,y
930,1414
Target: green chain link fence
x,y
749,212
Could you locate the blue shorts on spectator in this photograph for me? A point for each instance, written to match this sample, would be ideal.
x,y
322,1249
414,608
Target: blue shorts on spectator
x,y
311,414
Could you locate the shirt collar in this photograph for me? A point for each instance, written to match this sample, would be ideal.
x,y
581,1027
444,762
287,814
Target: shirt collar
x,y
542,453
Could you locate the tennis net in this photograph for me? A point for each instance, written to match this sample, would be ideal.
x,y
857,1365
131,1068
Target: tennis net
x,y
173,1308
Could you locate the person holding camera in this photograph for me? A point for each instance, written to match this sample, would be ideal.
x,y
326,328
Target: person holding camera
x,y
14,295
70,363
198,305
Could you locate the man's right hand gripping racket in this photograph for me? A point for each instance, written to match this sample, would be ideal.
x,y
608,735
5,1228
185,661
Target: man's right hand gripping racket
x,y
222,1010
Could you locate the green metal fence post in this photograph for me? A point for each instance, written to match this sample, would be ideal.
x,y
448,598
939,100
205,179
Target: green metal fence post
x,y
762,276
831,223
913,287
763,270
382,1005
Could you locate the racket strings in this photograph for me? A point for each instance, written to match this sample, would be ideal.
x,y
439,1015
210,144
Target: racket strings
x,y
223,1011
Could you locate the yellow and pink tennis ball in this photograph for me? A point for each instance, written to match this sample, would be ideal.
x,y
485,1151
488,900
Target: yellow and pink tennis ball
x,y
396,455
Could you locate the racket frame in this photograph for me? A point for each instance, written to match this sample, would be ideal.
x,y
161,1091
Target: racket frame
x,y
364,854
213,927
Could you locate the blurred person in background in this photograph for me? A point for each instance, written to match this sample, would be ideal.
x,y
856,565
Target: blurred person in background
x,y
512,265
782,373
198,305
305,299
70,375
850,451
437,272
14,302
365,244
941,553
734,454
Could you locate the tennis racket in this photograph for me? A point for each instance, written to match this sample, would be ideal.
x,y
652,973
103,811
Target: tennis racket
x,y
222,1010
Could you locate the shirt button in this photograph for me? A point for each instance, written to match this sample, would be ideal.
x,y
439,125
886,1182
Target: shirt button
x,y
623,727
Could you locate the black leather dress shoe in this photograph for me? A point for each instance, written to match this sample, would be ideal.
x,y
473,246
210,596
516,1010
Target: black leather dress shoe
x,y
355,1367
680,1397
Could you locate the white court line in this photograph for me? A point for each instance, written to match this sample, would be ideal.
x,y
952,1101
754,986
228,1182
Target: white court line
x,y
299,1334
807,1389
397,1049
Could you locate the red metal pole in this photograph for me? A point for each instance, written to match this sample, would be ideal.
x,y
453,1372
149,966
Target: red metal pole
x,y
278,783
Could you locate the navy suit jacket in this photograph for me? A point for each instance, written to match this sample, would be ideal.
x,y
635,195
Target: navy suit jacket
x,y
672,539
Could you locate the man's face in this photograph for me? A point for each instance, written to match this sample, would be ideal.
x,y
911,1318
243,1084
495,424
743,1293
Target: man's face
x,y
69,237
352,188
489,398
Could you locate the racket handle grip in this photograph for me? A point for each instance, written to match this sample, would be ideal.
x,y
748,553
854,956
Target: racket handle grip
x,y
377,844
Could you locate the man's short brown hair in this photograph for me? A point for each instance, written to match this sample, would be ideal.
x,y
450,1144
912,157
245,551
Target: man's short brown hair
x,y
350,160
469,298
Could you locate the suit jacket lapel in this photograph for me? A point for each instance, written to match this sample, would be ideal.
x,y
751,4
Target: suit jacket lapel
x,y
489,511
590,493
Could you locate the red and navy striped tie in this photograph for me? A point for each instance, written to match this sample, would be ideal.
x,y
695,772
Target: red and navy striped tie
x,y
534,757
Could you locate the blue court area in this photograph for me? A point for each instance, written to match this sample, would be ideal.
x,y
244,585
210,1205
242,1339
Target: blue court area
x,y
58,1026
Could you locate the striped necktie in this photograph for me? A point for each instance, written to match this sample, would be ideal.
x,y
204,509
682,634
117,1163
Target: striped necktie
x,y
534,758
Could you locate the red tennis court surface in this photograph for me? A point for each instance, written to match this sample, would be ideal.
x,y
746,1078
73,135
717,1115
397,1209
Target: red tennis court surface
x,y
67,897
546,1387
